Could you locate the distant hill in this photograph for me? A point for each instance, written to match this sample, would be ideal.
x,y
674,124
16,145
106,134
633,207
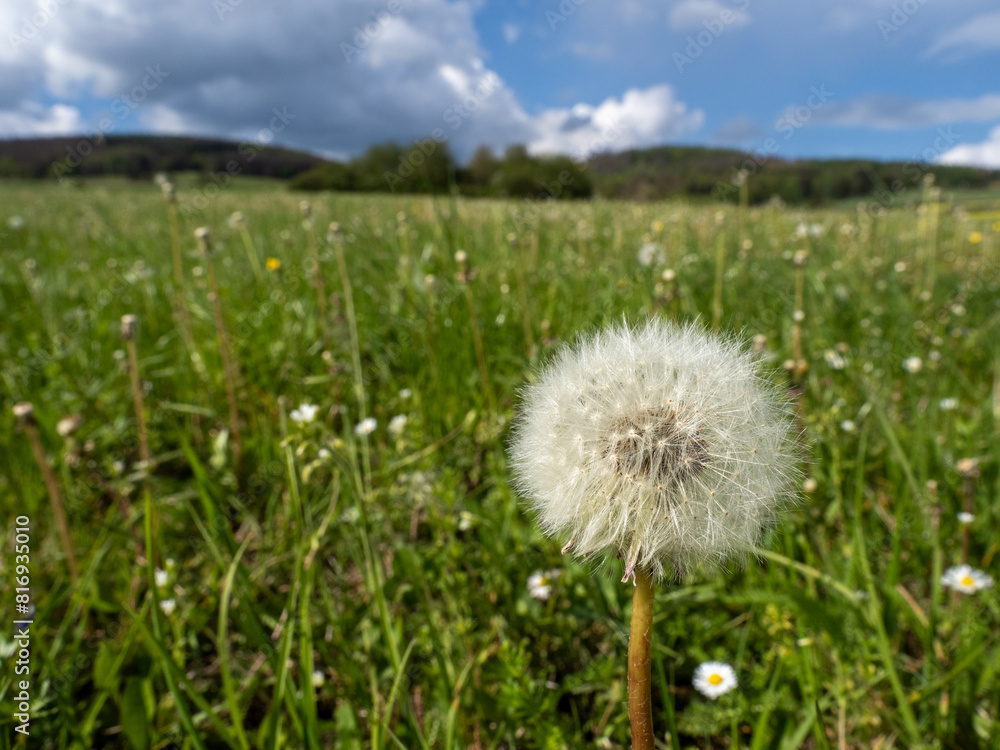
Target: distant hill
x,y
692,171
427,166
142,156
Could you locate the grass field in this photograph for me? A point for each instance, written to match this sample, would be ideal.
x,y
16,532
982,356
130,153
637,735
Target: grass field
x,y
326,583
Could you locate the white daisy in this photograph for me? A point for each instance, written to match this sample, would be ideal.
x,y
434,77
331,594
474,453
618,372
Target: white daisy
x,y
966,579
305,413
397,424
540,583
365,426
714,678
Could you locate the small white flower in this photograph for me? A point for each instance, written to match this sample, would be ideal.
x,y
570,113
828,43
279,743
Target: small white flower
x,y
913,364
714,678
466,521
365,426
168,606
848,425
162,577
318,678
305,413
798,316
540,583
948,404
405,393
834,360
396,425
966,579
323,453
958,309
965,518
351,515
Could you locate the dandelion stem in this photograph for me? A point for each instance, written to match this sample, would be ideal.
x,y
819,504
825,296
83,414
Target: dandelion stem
x,y
640,703
128,332
720,268
26,417
229,366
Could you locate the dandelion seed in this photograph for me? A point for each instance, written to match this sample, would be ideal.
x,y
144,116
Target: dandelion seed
x,y
396,425
304,414
651,253
169,606
965,518
913,364
714,678
365,426
966,579
540,583
674,429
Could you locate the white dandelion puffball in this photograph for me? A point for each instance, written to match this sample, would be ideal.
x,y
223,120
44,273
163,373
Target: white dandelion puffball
x,y
660,442
714,678
966,579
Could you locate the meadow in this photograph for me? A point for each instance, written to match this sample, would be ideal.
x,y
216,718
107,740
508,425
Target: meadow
x,y
245,570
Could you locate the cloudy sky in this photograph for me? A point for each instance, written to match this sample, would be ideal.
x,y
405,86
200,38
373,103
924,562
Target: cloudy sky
x,y
900,79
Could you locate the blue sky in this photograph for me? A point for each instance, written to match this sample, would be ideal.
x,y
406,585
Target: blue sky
x,y
889,80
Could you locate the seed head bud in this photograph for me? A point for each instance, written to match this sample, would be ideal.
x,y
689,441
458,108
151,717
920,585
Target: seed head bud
x,y
334,234
968,468
129,325
237,219
203,235
305,209
68,425
662,443
24,412
800,257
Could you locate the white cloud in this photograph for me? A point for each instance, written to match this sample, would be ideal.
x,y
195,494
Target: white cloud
x,y
36,120
985,154
979,34
511,32
694,14
640,118
902,113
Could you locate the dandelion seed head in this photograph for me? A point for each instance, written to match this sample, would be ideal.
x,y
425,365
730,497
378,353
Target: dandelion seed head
x,y
661,443
913,364
365,426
